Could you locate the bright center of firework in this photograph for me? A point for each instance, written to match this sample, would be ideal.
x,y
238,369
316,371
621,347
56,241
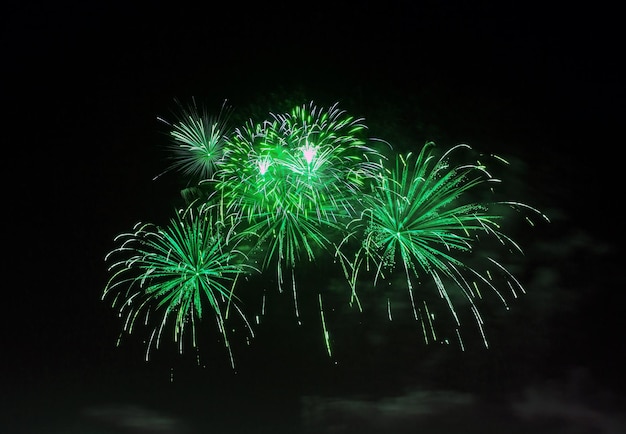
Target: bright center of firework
x,y
263,164
309,151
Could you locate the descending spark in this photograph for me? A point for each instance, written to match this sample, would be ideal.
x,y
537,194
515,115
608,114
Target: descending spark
x,y
326,334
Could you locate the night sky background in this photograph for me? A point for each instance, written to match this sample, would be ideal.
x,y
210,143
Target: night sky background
x,y
82,89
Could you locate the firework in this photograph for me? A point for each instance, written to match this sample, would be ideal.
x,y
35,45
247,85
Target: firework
x,y
175,273
424,219
292,188
294,179
198,140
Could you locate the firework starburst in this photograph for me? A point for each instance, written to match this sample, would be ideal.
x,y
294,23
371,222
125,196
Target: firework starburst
x,y
198,140
294,179
175,273
423,218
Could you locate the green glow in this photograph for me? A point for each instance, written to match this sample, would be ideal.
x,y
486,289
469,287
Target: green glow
x,y
293,179
299,187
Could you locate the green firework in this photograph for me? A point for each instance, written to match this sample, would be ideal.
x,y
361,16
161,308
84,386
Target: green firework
x,y
423,219
198,140
173,273
294,178
310,161
293,188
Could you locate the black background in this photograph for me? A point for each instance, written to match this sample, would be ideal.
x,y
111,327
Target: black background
x,y
83,86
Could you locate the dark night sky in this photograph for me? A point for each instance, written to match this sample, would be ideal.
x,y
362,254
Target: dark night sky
x,y
83,85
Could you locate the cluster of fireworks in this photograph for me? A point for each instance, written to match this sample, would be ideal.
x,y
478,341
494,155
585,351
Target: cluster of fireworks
x,y
296,188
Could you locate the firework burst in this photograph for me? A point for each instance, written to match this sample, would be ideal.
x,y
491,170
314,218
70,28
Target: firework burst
x,y
198,140
294,179
175,273
422,219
